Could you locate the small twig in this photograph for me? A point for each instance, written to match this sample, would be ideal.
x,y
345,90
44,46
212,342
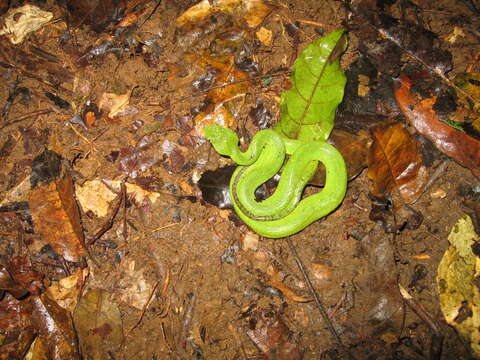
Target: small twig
x,y
187,320
151,14
124,196
317,299
437,339
145,306
165,227
26,116
110,222
55,87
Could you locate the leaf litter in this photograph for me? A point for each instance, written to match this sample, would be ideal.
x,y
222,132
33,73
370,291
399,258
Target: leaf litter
x,y
140,79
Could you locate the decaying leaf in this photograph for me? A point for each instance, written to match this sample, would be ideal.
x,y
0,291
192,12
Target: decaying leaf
x,y
272,336
214,186
24,276
219,116
458,283
19,22
15,322
55,328
132,288
137,159
275,280
95,196
100,14
54,209
395,163
99,325
455,143
225,72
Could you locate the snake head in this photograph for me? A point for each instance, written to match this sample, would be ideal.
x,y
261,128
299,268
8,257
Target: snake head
x,y
223,139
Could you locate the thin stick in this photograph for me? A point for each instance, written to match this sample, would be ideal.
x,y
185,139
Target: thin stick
x,y
437,339
56,88
26,116
145,306
317,299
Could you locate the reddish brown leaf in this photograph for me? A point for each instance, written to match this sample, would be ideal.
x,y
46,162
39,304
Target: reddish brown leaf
x,y
16,328
136,159
458,145
54,209
395,163
24,276
354,149
55,328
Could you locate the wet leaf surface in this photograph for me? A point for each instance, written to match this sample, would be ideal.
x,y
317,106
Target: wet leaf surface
x,y
420,112
55,328
214,186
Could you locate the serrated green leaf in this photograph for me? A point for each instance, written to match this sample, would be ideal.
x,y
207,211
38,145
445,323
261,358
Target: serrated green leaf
x,y
308,107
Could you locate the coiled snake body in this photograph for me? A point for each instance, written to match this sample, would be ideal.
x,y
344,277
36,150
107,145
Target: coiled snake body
x,y
284,212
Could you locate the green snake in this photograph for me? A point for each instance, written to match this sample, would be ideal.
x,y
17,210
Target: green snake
x,y
303,138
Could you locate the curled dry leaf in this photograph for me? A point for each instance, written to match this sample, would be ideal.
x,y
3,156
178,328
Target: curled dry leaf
x,y
461,147
99,325
19,22
54,209
395,163
67,291
114,104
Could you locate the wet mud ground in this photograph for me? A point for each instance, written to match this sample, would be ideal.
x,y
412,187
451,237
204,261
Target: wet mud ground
x,y
212,281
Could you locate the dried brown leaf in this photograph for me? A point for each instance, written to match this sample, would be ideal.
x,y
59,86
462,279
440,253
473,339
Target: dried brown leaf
x,y
395,163
54,209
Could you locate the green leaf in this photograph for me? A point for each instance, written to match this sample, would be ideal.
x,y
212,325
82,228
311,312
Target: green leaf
x,y
308,107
